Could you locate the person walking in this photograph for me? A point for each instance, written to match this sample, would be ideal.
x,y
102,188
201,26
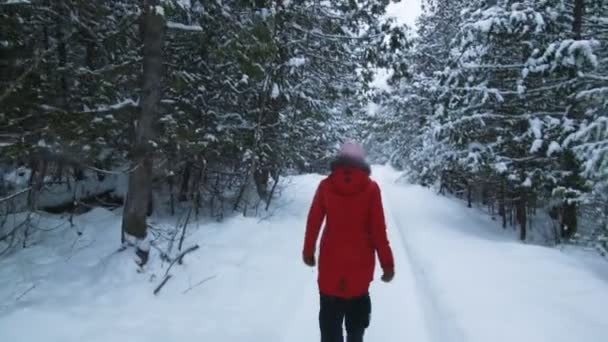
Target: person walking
x,y
350,203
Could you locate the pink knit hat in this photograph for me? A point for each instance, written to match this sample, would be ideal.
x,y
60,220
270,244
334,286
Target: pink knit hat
x,y
353,150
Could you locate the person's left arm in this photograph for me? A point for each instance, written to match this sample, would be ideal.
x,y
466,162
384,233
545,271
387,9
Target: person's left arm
x,y
379,236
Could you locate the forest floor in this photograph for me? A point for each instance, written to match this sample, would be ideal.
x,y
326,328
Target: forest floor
x,y
459,278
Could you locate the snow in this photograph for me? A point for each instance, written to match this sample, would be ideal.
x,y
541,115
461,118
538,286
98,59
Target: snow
x,y
485,25
459,277
536,126
116,106
160,10
404,12
275,91
501,167
296,61
536,145
18,177
540,22
381,78
489,287
373,108
56,193
179,26
585,48
554,147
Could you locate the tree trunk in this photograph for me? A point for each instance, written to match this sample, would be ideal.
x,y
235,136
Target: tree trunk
x,y
568,220
140,180
502,210
183,190
261,176
520,210
577,25
170,181
469,195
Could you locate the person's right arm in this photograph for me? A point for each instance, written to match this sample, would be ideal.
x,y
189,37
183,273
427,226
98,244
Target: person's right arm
x,y
316,215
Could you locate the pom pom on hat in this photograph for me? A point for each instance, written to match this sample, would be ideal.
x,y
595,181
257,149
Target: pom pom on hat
x,y
353,150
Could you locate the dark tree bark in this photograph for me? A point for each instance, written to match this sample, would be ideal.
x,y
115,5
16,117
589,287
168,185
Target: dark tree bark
x,y
577,25
521,214
469,196
183,190
568,220
140,180
62,57
502,210
261,177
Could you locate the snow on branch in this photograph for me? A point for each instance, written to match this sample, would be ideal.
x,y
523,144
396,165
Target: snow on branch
x,y
319,34
183,27
116,106
15,2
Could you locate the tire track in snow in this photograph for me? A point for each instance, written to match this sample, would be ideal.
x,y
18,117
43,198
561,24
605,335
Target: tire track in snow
x,y
438,326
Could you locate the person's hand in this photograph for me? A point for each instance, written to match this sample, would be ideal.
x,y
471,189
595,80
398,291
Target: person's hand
x,y
388,275
309,260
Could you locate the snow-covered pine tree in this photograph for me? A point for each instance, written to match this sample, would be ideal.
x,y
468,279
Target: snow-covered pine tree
x,y
68,84
510,111
402,126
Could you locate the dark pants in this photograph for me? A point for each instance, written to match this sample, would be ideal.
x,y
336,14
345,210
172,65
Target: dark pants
x,y
355,312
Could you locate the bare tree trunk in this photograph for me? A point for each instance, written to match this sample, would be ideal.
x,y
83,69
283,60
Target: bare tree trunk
x,y
140,180
577,25
170,181
184,188
520,209
568,221
62,57
469,195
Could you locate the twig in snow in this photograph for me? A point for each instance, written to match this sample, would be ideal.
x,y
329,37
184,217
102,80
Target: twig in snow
x,y
181,239
4,199
199,284
177,259
180,256
274,187
26,292
160,286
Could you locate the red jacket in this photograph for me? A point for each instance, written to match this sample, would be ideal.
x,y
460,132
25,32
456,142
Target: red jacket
x,y
355,230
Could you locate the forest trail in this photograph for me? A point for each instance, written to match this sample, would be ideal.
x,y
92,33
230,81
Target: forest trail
x,y
459,278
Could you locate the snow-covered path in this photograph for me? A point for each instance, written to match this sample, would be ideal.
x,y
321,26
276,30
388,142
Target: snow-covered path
x,y
476,283
459,279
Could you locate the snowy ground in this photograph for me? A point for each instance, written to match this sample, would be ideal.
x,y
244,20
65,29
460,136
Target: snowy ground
x,y
459,278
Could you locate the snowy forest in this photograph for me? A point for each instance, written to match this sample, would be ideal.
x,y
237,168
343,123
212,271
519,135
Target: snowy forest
x,y
502,103
168,114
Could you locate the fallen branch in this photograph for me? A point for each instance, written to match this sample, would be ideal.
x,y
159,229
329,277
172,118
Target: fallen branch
x,y
15,194
26,292
181,239
178,259
199,284
160,286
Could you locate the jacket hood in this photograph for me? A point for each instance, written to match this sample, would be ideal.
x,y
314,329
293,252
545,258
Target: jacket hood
x,y
349,176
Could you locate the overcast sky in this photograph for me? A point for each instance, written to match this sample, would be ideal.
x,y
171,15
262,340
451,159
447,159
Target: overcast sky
x,y
405,11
